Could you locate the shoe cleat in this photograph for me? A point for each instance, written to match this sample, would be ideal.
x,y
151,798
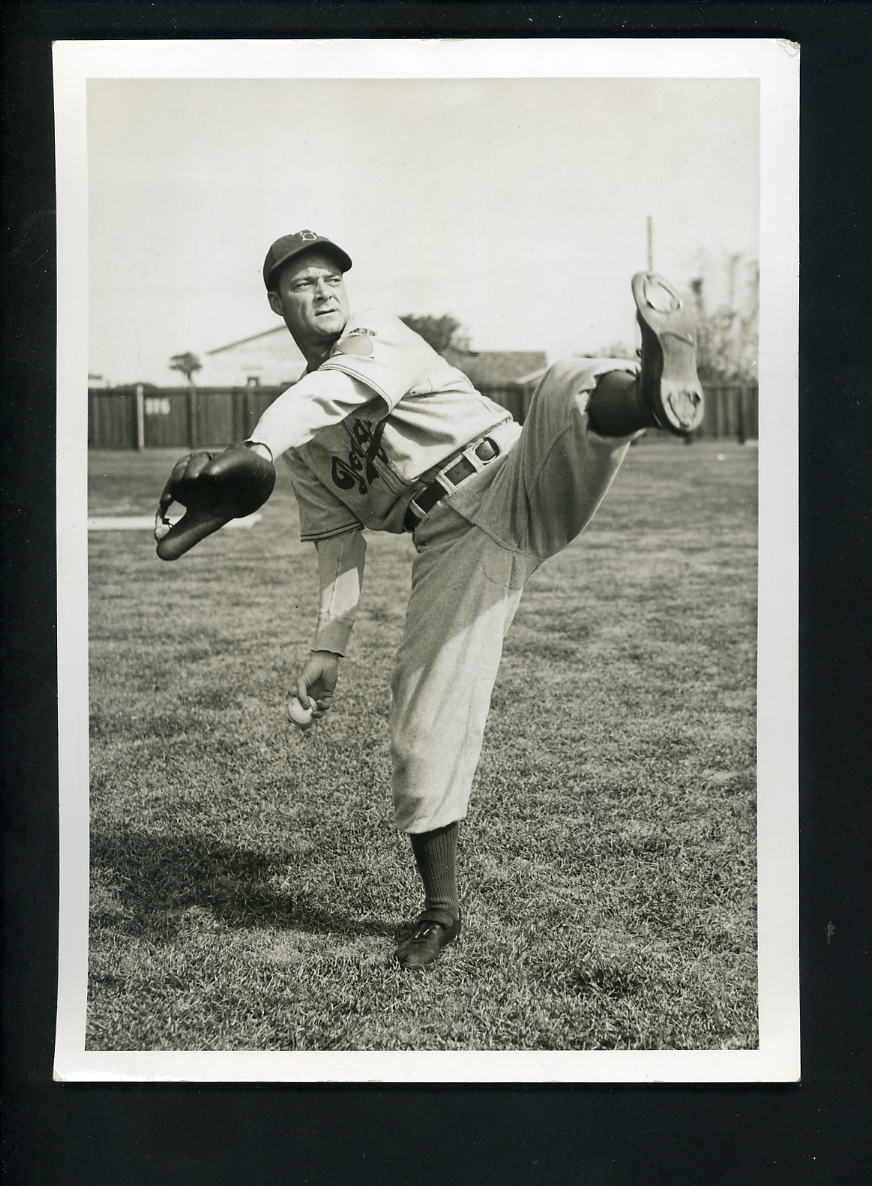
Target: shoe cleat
x,y
668,377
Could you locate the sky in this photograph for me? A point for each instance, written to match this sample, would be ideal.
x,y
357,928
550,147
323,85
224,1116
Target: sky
x,y
519,206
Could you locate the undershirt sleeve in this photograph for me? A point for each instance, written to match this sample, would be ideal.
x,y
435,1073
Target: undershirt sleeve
x,y
340,580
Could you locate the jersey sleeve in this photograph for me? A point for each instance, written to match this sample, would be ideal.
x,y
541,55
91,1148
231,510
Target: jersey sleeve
x,y
314,402
379,351
322,515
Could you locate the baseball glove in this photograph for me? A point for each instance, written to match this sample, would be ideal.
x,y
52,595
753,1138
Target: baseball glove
x,y
214,488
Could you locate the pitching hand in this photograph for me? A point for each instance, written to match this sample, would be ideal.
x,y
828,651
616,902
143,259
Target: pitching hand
x,y
317,682
214,488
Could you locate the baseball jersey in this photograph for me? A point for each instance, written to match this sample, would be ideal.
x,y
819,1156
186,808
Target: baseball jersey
x,y
371,425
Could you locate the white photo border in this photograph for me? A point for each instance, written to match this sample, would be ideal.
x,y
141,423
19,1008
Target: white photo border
x,y
775,63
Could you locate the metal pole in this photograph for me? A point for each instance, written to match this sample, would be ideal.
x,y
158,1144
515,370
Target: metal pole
x,y
192,417
140,418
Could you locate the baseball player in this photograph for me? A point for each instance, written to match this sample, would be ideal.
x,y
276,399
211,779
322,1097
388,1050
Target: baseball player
x,y
381,433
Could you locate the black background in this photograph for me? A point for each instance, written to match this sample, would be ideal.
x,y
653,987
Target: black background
x,y
815,1132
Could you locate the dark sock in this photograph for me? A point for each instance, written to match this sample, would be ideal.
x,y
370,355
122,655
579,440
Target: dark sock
x,y
436,858
616,407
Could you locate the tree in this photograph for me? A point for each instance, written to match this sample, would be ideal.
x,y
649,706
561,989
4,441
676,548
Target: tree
x,y
728,334
439,332
188,364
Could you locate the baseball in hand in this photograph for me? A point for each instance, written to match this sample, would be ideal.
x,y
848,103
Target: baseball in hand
x,y
302,717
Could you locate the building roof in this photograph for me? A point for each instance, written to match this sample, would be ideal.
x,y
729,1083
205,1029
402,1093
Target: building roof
x,y
494,367
277,329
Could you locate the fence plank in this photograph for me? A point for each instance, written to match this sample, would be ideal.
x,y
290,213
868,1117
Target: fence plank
x,y
166,418
111,421
215,419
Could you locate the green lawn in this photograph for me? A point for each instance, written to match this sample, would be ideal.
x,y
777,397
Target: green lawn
x,y
247,883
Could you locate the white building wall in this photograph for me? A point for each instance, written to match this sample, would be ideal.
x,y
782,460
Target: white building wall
x,y
267,360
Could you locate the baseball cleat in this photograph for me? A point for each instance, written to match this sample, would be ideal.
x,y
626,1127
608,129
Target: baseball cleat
x,y
424,947
668,380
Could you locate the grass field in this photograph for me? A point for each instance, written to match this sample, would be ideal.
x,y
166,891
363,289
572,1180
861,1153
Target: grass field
x,y
247,883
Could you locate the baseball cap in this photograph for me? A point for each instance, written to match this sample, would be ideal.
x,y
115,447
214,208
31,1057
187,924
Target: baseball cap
x,y
288,246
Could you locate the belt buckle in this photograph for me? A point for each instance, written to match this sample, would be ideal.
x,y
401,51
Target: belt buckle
x,y
494,447
472,456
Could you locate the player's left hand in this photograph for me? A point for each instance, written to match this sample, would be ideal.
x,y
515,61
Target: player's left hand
x,y
214,488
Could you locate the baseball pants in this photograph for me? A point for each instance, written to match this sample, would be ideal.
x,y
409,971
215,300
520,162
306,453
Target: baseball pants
x,y
474,552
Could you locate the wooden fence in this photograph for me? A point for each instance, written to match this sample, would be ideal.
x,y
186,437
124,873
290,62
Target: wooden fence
x,y
205,416
158,417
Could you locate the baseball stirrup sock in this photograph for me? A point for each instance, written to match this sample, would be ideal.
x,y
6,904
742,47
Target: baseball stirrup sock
x,y
436,858
616,407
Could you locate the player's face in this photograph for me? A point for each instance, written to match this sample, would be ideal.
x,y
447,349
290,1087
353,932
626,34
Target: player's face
x,y
310,294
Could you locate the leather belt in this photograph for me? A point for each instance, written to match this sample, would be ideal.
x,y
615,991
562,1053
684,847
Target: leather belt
x,y
448,479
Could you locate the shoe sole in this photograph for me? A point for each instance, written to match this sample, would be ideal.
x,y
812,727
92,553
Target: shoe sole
x,y
669,335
